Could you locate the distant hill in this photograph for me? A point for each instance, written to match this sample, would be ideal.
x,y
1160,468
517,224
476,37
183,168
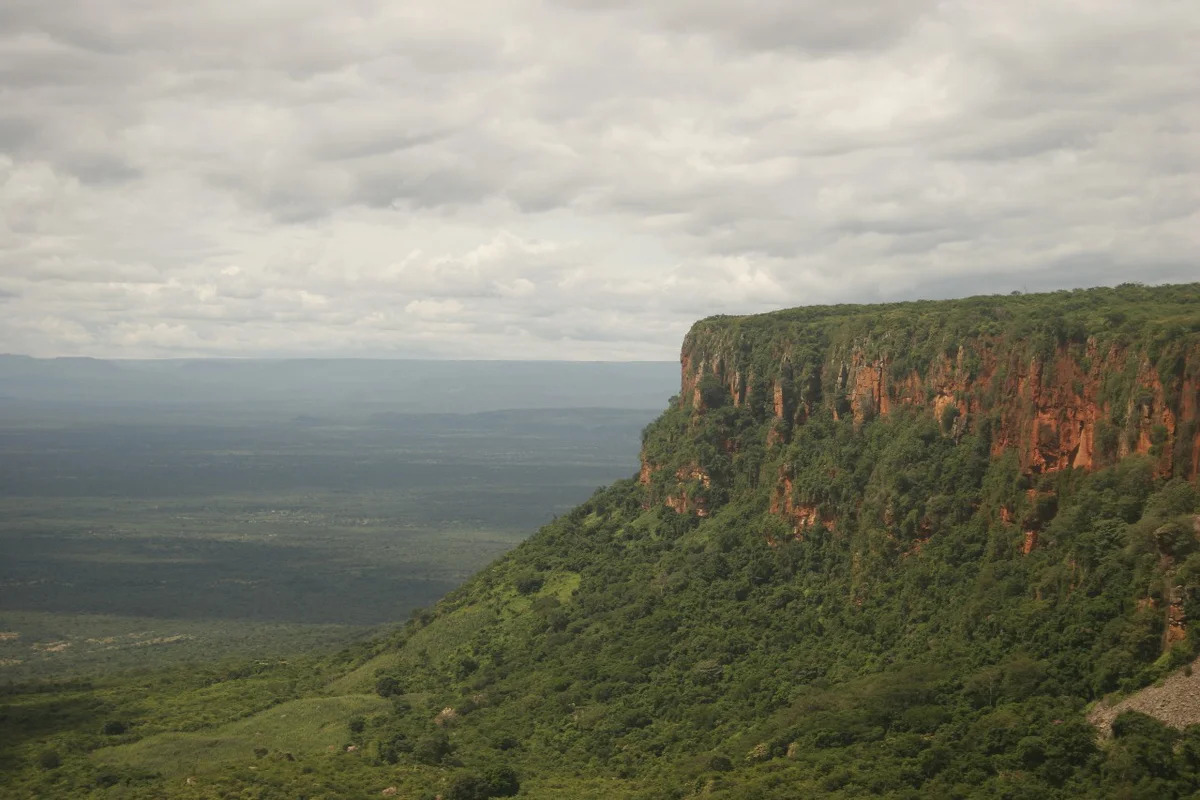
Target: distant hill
x,y
298,387
873,551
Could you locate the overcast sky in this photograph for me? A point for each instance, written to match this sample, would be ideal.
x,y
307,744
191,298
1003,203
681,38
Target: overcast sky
x,y
577,179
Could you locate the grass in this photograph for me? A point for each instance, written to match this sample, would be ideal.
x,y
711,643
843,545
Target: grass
x,y
308,726
362,678
554,788
561,585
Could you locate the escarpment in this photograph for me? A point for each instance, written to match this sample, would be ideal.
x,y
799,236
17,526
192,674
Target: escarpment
x,y
1062,381
1070,407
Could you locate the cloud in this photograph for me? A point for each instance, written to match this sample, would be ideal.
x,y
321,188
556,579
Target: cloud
x,y
434,309
808,26
467,179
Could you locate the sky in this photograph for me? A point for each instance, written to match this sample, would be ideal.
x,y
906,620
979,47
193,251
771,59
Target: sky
x,y
571,180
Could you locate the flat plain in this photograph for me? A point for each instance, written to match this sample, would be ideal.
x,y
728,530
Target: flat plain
x,y
139,544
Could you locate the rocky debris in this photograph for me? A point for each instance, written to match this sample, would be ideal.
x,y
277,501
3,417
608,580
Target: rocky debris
x,y
1174,702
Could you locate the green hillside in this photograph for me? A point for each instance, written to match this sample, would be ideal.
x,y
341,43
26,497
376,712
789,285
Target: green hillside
x,y
893,551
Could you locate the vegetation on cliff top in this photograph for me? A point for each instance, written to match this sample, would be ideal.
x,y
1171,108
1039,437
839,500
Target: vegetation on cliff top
x,y
913,334
862,604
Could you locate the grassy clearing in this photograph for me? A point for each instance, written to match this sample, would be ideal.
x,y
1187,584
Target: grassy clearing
x,y
363,678
561,585
308,726
456,631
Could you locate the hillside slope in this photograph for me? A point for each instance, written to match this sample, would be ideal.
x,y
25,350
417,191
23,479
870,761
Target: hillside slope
x,y
889,551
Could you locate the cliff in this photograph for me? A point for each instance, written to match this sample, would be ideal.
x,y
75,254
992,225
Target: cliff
x,y
1064,381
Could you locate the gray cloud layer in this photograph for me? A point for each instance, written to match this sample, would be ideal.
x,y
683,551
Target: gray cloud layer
x,y
578,179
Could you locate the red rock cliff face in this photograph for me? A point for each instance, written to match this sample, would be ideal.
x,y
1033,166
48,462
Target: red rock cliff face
x,y
1081,405
683,501
1071,380
802,515
1049,410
